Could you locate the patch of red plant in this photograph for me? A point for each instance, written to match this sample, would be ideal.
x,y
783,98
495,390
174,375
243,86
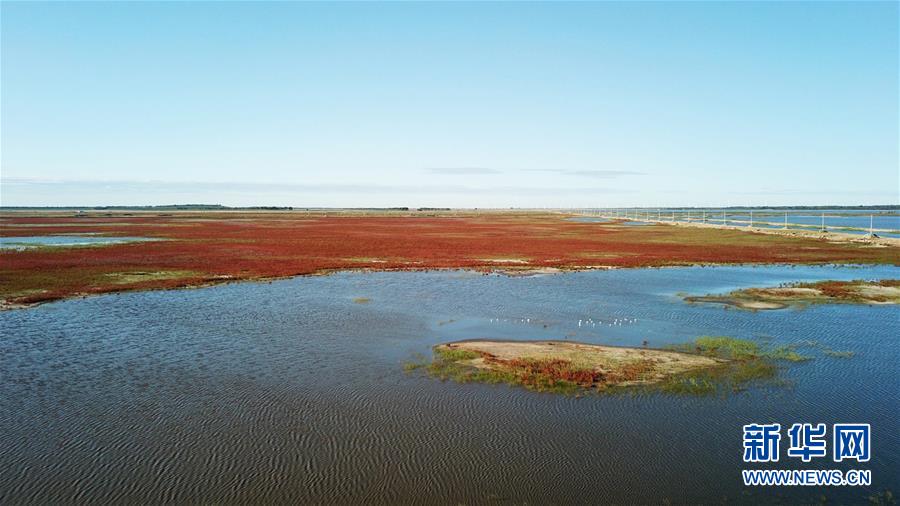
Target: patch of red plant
x,y
529,370
255,245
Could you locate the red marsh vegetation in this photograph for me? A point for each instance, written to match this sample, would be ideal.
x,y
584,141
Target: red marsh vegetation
x,y
209,247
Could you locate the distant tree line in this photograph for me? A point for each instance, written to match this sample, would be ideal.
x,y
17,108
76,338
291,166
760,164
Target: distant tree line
x,y
167,207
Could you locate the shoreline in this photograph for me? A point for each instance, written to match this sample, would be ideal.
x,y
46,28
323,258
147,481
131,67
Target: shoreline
x,y
835,237
499,271
203,249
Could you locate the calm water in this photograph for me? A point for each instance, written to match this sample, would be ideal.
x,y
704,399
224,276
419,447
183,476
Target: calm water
x,y
885,223
885,226
25,242
291,392
589,219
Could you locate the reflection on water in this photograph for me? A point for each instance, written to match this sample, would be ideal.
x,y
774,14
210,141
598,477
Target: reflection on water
x,y
589,219
883,225
25,242
292,392
882,222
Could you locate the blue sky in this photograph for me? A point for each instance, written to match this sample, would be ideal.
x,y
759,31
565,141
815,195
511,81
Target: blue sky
x,y
450,104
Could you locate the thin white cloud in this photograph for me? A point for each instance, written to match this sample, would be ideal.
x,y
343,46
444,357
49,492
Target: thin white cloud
x,y
595,173
602,174
462,171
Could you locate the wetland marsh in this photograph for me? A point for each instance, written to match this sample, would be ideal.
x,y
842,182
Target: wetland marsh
x,y
295,391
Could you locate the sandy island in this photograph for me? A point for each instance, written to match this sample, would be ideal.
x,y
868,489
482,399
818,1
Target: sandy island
x,y
886,291
544,365
710,365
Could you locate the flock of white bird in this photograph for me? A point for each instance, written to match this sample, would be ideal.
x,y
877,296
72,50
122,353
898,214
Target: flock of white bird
x,y
609,323
588,322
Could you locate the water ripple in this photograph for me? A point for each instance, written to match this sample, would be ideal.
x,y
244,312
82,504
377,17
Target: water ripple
x,y
290,392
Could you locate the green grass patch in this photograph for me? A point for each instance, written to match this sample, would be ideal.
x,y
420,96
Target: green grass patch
x,y
729,378
454,355
726,347
788,353
748,364
412,366
731,348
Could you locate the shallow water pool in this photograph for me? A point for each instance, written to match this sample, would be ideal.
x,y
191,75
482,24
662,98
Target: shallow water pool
x,y
291,391
26,242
